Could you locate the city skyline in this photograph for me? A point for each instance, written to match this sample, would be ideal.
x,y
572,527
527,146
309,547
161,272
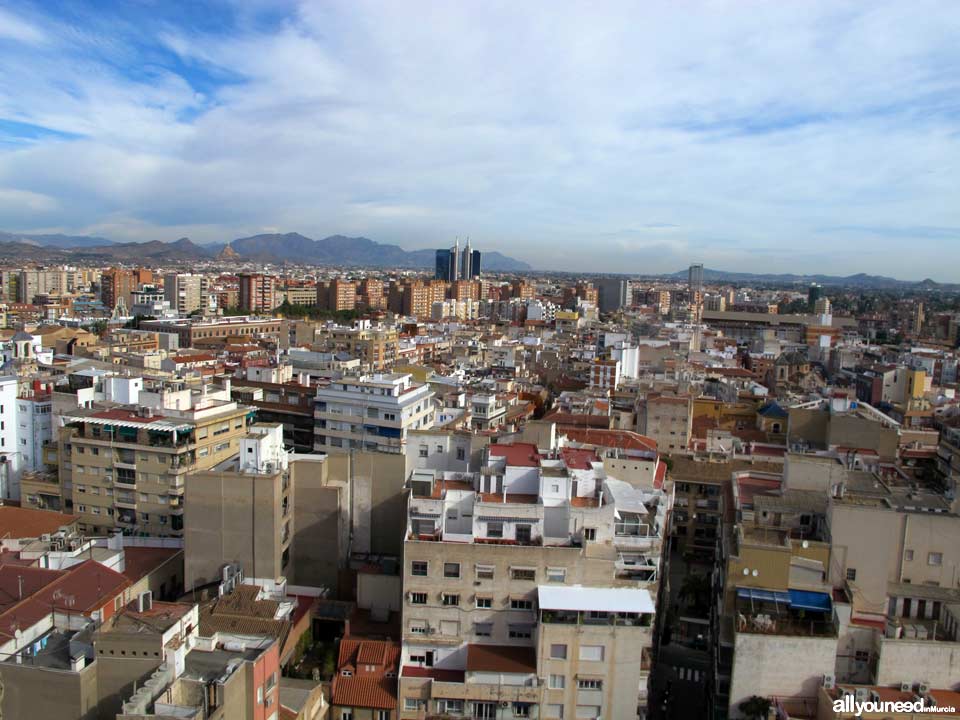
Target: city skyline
x,y
615,141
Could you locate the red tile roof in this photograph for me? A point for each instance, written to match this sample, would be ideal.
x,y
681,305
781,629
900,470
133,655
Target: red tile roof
x,y
138,562
368,662
364,692
21,522
579,458
623,439
517,454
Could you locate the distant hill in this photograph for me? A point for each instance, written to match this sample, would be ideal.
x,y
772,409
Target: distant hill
x,y
56,241
267,248
861,280
350,251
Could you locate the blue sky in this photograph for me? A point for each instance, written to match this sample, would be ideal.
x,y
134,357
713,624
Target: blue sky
x,y
630,137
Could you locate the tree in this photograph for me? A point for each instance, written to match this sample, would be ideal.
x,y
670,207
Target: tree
x,y
755,707
695,591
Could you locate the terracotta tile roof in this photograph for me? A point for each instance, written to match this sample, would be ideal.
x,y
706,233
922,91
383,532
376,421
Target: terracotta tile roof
x,y
240,612
368,662
20,522
364,692
517,454
501,658
623,439
138,562
579,458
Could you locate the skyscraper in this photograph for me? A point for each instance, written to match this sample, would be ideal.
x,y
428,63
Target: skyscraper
x,y
695,279
452,264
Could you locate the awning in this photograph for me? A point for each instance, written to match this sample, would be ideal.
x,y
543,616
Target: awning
x,y
774,596
809,600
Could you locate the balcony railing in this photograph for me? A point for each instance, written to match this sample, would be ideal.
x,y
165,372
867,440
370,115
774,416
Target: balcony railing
x,y
570,617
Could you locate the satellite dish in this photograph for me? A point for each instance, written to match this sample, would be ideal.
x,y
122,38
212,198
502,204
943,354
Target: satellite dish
x,y
805,543
746,571
755,573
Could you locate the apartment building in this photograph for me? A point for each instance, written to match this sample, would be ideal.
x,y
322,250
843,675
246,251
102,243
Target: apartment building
x,y
225,676
258,292
240,511
188,331
666,418
375,345
117,284
341,295
371,412
186,292
528,588
774,621
125,466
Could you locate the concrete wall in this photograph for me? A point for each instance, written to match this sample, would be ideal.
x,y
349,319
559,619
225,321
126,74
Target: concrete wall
x,y
868,540
320,525
918,660
231,517
31,693
779,665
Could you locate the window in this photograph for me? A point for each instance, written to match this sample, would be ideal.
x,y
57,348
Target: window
x,y
484,603
383,715
451,570
484,572
589,534
585,684
346,714
908,555
424,451
521,709
419,568
418,598
495,529
483,629
461,454
592,653
557,575
418,627
450,707
862,656
451,600
554,712
411,703
851,574
521,604
935,558
523,574
558,682
346,673
558,651
520,632
588,712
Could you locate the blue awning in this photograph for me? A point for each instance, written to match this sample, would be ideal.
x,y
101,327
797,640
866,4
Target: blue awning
x,y
808,600
774,596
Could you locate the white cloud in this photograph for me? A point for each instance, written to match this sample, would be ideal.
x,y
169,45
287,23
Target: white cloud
x,y
534,128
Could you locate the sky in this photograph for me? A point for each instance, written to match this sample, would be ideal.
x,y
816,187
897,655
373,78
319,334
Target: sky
x,y
636,137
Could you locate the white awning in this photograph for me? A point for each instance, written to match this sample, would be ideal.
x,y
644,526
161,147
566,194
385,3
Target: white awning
x,y
576,597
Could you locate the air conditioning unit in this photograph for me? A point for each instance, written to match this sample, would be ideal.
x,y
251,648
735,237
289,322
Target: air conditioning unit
x,y
906,687
829,682
924,687
862,694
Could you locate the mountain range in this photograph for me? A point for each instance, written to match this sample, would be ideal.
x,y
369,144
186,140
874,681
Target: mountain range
x,y
859,280
336,250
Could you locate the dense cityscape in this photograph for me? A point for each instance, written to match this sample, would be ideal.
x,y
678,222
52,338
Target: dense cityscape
x,y
240,489
380,360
